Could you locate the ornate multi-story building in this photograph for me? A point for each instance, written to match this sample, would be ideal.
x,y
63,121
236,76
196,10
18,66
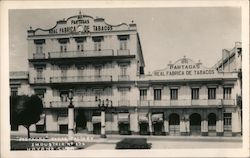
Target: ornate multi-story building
x,y
103,62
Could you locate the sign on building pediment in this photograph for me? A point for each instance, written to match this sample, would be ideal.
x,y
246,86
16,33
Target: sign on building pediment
x,y
185,67
81,24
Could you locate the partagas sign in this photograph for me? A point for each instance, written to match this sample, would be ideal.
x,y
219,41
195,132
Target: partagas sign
x,y
185,67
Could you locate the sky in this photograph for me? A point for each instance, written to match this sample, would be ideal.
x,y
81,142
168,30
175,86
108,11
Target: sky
x,y
166,34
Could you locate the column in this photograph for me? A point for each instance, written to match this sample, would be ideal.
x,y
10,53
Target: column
x,y
150,123
103,135
115,129
204,124
71,123
134,125
219,124
184,126
236,123
166,126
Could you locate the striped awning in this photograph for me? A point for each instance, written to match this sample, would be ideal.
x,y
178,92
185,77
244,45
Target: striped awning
x,y
62,120
123,117
143,118
157,117
96,119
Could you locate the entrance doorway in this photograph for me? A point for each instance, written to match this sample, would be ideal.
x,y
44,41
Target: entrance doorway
x,y
158,128
212,124
97,128
124,128
144,128
195,124
174,124
81,122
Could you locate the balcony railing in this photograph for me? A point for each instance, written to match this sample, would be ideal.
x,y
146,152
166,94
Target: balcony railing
x,y
123,103
39,80
38,56
86,53
81,79
186,102
123,52
60,104
123,78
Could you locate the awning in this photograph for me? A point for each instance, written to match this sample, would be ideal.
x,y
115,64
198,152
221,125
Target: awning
x,y
62,120
157,117
143,118
96,119
42,120
123,117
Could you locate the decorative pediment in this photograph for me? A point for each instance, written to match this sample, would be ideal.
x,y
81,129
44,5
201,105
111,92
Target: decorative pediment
x,y
185,67
79,24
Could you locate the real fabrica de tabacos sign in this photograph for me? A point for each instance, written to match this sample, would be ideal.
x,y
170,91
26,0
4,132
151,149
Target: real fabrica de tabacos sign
x,y
185,67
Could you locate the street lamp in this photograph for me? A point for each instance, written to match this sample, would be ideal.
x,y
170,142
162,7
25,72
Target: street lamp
x,y
103,106
70,117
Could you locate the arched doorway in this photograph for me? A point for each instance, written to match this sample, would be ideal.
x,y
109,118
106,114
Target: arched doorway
x,y
212,123
195,124
174,124
80,121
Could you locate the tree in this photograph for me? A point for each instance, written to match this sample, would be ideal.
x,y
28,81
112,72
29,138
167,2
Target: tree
x,y
25,110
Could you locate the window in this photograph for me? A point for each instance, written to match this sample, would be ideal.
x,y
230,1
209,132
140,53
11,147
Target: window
x,y
143,94
227,121
211,93
97,45
39,73
98,94
64,73
98,70
123,70
81,71
80,47
195,93
123,44
157,94
173,94
64,96
39,48
63,47
227,93
124,93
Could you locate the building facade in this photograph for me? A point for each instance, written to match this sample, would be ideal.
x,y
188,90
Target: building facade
x,y
103,64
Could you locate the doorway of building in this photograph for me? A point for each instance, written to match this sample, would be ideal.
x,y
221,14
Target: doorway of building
x,y
158,128
195,124
97,128
144,128
124,128
63,128
212,124
174,124
81,122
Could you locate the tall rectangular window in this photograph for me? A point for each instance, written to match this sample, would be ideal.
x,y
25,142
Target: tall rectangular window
x,y
227,121
98,70
39,48
64,96
227,93
97,45
123,70
123,44
143,94
211,93
157,94
80,47
64,73
195,93
173,94
39,73
124,93
63,47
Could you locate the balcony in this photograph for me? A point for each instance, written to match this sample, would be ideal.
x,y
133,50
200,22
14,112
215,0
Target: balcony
x,y
228,102
123,52
39,80
86,53
77,104
38,56
159,102
69,79
143,103
123,78
123,103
